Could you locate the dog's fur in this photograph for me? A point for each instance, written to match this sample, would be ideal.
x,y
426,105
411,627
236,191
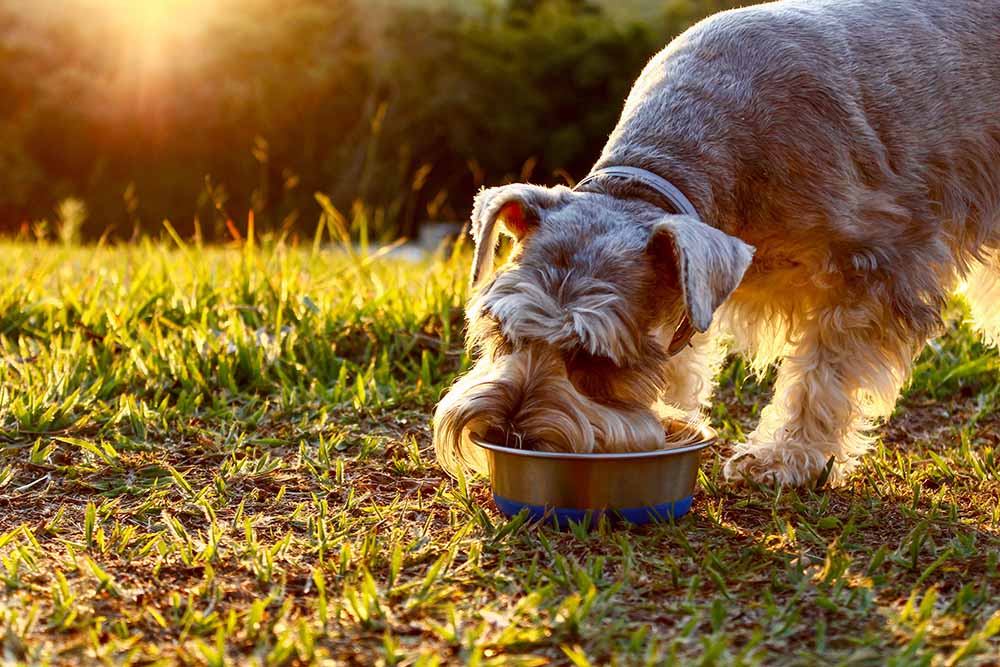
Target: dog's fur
x,y
850,147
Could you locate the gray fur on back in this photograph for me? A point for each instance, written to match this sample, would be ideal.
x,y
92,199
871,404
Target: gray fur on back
x,y
873,123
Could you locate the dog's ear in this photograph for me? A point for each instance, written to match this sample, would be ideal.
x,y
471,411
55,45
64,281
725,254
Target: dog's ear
x,y
518,208
709,265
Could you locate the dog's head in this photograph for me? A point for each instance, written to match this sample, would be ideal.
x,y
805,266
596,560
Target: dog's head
x,y
572,331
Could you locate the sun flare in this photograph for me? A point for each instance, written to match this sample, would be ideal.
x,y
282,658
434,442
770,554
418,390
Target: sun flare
x,y
154,15
151,32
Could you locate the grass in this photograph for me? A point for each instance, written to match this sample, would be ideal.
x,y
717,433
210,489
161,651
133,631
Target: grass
x,y
222,456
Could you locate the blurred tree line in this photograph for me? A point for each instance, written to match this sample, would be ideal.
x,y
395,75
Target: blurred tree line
x,y
406,107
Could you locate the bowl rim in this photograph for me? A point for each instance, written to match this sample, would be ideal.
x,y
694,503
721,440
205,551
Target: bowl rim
x,y
707,436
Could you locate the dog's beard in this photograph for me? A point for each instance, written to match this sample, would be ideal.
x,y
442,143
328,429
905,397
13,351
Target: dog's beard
x,y
528,395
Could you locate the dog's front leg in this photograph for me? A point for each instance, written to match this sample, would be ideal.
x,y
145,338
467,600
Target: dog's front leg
x,y
845,369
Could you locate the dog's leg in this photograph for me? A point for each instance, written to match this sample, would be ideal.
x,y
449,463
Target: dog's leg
x,y
847,363
689,377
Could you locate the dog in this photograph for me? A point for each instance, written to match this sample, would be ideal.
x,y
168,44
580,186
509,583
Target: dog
x,y
802,182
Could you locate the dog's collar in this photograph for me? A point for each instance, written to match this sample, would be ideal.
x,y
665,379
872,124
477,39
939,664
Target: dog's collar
x,y
662,186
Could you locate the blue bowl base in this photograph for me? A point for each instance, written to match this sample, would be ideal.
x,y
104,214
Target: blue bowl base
x,y
562,517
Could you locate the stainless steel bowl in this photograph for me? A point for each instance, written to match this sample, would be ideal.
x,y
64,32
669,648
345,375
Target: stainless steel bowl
x,y
639,487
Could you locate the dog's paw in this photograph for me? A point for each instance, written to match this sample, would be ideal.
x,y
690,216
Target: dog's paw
x,y
742,467
778,463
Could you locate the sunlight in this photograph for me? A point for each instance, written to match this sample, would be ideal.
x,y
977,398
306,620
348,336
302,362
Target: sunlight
x,y
146,44
151,33
154,17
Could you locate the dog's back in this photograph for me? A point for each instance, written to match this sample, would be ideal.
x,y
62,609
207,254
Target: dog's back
x,y
874,123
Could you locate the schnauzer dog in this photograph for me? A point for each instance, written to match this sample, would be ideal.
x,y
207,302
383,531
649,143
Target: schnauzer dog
x,y
805,181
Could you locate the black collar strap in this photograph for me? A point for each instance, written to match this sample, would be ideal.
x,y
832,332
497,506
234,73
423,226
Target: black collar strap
x,y
660,185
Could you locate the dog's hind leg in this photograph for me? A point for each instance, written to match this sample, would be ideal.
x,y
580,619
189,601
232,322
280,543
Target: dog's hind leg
x,y
847,363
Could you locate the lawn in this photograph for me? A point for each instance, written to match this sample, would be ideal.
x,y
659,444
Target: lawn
x,y
222,456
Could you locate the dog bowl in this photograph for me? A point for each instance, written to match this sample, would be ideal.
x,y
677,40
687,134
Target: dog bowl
x,y
639,487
